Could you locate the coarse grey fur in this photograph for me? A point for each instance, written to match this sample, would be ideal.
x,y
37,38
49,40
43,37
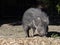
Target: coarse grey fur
x,y
36,19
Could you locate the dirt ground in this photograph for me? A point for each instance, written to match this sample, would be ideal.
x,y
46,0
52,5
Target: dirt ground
x,y
7,30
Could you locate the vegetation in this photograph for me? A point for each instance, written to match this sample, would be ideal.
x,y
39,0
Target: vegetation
x,y
55,35
53,6
58,9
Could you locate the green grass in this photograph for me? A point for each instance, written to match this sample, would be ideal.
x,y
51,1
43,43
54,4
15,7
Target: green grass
x,y
55,36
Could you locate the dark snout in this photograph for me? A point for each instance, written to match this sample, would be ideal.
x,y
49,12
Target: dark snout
x,y
40,35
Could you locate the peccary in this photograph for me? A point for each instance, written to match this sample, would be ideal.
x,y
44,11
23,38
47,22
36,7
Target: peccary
x,y
36,19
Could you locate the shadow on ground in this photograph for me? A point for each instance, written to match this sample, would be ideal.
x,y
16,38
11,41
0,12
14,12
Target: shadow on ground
x,y
53,33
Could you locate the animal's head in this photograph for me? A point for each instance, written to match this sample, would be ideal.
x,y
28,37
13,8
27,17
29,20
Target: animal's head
x,y
40,27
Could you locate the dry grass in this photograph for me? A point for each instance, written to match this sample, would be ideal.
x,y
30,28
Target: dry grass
x,y
30,41
7,30
13,35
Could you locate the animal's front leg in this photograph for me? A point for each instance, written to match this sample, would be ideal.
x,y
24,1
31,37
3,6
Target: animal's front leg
x,y
26,29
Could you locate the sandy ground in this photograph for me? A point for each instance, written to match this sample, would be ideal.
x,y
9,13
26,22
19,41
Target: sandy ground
x,y
7,30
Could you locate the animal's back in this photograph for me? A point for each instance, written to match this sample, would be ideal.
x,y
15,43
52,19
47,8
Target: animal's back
x,y
33,14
